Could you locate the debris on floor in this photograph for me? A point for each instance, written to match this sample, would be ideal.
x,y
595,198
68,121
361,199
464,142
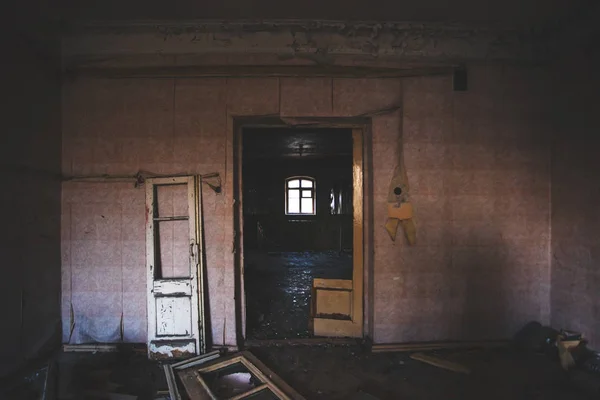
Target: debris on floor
x,y
236,376
534,337
328,371
441,363
566,342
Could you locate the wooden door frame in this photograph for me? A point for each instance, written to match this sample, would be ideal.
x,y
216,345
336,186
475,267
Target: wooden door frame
x,y
362,271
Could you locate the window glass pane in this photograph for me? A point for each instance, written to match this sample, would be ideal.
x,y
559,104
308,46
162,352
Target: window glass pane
x,y
307,193
307,184
294,183
293,193
307,206
293,206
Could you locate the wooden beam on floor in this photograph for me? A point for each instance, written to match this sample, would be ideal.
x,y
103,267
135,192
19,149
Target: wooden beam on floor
x,y
425,346
440,363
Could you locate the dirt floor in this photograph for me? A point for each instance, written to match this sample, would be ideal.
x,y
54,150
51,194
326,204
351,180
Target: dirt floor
x,y
336,372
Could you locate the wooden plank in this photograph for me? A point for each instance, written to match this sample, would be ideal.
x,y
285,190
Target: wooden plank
x,y
332,283
221,363
196,360
254,370
441,363
358,216
250,392
421,346
150,265
171,383
194,386
199,251
194,256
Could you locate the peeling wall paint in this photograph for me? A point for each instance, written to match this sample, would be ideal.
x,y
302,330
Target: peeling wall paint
x,y
312,42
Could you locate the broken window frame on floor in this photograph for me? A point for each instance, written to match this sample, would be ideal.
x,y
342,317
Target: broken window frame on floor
x,y
190,376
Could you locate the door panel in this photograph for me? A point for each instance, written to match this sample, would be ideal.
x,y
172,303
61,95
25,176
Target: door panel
x,y
173,265
173,316
337,303
333,298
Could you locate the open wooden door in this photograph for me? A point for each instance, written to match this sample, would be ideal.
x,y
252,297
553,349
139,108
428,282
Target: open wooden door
x,y
173,258
337,304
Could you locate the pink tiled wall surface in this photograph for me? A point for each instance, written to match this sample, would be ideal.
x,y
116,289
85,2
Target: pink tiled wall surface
x,y
477,163
478,166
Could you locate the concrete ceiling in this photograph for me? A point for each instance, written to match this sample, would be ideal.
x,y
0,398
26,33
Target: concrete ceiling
x,y
483,12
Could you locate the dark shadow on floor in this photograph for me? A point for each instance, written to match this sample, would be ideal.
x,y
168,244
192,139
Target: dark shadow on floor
x,y
336,372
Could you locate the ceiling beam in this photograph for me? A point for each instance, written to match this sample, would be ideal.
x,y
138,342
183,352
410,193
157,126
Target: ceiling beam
x,y
253,71
311,42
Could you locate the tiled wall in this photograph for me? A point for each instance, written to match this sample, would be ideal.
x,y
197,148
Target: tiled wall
x,y
478,166
575,200
477,163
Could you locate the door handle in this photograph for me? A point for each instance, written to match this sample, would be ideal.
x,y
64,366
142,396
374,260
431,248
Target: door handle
x,y
194,250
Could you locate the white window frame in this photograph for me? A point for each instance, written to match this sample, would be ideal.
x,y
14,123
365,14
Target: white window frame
x,y
313,190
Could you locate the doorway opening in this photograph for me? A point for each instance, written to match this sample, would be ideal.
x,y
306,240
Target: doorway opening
x,y
298,191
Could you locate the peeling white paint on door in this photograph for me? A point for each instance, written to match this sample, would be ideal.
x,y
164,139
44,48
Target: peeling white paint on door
x,y
169,350
174,322
173,287
173,316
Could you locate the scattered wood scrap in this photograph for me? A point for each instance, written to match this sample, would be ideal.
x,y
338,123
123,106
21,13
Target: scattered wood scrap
x,y
441,363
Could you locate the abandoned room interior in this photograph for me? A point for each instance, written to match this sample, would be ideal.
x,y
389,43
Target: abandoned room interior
x,y
370,200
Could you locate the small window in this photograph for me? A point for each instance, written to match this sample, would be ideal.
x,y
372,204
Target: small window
x,y
300,196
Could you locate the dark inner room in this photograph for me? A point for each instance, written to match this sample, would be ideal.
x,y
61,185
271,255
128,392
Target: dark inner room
x,y
297,190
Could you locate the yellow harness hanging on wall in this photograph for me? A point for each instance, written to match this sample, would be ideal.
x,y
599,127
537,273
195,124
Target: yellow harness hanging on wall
x,y
400,210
